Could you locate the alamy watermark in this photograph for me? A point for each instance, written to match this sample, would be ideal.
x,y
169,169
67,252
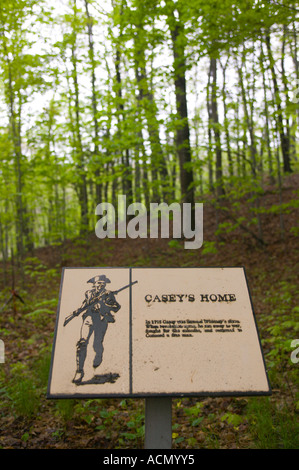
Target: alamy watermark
x,y
295,353
114,223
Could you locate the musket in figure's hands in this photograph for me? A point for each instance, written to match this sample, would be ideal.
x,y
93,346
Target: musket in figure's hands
x,y
75,313
82,309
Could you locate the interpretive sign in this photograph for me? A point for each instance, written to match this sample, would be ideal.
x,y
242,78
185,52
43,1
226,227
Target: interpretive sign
x,y
156,331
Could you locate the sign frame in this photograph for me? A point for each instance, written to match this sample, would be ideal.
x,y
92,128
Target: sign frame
x,y
131,394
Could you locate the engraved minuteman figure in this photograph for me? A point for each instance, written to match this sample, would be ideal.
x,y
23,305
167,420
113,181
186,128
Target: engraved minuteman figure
x,y
98,306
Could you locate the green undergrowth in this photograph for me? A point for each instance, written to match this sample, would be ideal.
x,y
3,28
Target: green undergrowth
x,y
249,422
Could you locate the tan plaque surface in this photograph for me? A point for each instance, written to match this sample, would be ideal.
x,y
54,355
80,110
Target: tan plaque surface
x,y
156,331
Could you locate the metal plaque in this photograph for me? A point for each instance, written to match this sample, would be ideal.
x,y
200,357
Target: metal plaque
x,y
156,331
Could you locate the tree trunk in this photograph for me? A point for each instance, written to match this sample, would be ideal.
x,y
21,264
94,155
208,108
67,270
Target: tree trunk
x,y
141,180
267,127
226,129
145,96
94,103
82,183
16,142
125,157
215,125
183,132
284,139
249,122
210,144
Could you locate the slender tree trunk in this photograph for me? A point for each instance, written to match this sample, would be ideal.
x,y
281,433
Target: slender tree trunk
x,y
4,252
127,172
249,122
146,102
155,144
198,170
141,180
63,214
94,102
279,180
215,120
210,143
226,129
172,163
22,232
284,140
82,183
238,138
253,152
290,119
294,51
267,127
183,132
127,177
286,92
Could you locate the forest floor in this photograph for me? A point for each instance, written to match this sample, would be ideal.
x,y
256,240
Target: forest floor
x,y
29,420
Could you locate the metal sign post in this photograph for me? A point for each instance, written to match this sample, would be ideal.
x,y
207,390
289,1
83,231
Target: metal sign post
x,y
158,429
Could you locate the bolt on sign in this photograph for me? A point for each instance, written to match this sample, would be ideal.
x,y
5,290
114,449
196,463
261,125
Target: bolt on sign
x,y
156,331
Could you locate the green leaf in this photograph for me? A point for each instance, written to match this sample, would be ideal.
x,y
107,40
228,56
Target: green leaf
x,y
232,418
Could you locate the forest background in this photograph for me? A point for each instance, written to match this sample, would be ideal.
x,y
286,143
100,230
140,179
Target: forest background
x,y
170,101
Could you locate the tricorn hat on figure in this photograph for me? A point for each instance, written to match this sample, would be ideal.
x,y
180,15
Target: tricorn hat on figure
x,y
99,278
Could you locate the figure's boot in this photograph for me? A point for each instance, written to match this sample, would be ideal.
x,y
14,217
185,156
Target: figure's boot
x,y
78,377
80,360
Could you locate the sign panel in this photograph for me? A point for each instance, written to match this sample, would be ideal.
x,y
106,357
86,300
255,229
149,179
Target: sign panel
x,y
156,331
